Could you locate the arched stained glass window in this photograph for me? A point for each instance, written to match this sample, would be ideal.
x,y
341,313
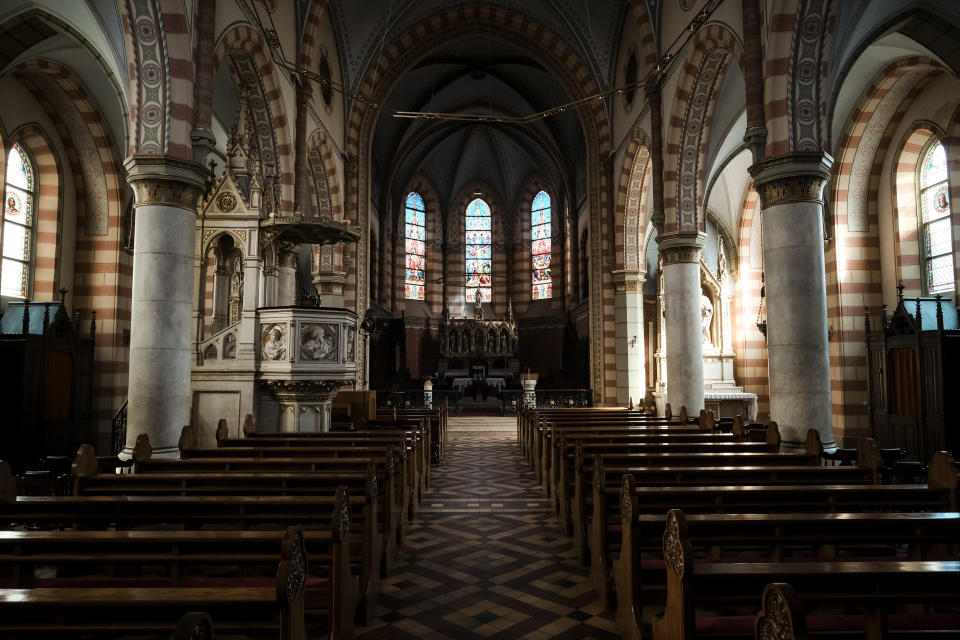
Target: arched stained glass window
x,y
17,224
416,248
935,219
540,232
479,253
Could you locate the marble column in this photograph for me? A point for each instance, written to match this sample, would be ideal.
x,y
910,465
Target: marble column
x,y
166,192
628,316
684,336
791,201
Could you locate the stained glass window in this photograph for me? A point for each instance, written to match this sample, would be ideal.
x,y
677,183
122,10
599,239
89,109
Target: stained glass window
x,y
416,249
935,220
17,225
540,232
479,257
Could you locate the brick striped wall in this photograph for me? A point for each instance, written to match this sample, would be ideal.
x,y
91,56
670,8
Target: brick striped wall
x,y
750,363
853,258
103,271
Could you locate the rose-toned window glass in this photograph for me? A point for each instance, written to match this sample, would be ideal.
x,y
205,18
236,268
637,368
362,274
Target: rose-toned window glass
x,y
416,236
540,249
479,256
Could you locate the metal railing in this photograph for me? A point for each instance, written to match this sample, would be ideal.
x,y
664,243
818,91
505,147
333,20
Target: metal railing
x,y
119,429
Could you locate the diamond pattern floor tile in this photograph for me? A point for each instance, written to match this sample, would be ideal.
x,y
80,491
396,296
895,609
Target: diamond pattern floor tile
x,y
485,558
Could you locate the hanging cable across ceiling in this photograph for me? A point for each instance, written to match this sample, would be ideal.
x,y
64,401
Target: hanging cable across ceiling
x,y
656,74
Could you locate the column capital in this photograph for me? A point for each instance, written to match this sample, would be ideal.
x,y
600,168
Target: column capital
x,y
793,177
162,180
628,280
677,248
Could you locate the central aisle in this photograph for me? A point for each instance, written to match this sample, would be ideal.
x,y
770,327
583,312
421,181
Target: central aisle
x,y
485,558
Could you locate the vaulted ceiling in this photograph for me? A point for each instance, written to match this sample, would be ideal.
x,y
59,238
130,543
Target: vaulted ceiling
x,y
480,75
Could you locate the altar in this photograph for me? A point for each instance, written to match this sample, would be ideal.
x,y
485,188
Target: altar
x,y
478,349
462,384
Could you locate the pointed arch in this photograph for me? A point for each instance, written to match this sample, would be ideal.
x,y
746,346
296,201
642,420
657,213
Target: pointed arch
x,y
250,57
630,210
557,57
689,125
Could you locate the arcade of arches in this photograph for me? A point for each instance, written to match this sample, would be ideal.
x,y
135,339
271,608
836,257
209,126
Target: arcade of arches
x,y
689,202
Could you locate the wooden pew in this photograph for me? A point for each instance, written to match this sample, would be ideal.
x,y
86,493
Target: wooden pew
x,y
116,559
632,439
829,521
543,432
192,513
418,445
606,470
375,521
871,586
408,444
308,461
407,477
695,489
784,612
275,610
550,432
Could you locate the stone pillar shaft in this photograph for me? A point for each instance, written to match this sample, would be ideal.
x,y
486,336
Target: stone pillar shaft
x,y
656,155
681,291
202,134
756,133
301,184
790,189
628,316
159,395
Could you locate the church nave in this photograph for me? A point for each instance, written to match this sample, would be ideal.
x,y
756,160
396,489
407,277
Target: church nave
x,y
485,558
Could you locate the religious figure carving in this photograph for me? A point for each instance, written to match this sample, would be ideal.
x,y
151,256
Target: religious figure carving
x,y
706,316
273,345
478,305
319,342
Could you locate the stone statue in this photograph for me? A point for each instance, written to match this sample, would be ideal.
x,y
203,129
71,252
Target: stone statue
x,y
510,310
478,305
706,315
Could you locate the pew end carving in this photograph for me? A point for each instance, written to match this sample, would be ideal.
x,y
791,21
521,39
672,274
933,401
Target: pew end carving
x,y
291,584
677,557
85,464
223,431
781,616
187,441
942,473
8,482
195,625
142,450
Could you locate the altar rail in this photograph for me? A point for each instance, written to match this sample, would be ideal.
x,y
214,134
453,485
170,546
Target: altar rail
x,y
510,398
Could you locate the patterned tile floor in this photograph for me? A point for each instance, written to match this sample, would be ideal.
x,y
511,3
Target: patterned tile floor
x,y
485,558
